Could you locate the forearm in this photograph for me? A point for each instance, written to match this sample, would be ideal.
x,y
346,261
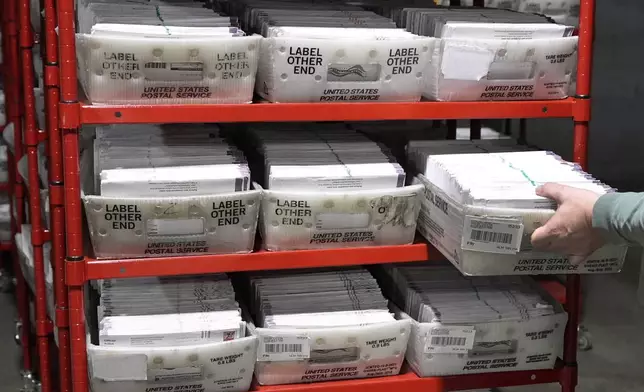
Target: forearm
x,y
620,217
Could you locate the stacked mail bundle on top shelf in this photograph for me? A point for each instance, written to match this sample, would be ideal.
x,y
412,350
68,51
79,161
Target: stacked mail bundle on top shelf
x,y
168,190
163,52
493,54
178,333
561,11
323,325
329,187
332,52
463,325
480,207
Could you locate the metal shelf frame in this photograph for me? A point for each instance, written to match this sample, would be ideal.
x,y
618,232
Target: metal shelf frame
x,y
14,112
64,126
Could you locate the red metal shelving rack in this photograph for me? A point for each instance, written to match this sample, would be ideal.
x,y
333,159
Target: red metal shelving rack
x,y
79,269
14,109
32,138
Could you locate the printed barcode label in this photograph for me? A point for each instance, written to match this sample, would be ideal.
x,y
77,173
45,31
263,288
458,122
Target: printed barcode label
x,y
450,339
492,235
283,348
274,348
156,65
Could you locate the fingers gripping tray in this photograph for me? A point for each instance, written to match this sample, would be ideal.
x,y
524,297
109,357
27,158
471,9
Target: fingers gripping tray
x,y
339,70
173,226
330,354
319,220
153,70
482,240
500,70
214,367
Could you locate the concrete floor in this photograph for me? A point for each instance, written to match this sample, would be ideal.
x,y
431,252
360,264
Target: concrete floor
x,y
612,315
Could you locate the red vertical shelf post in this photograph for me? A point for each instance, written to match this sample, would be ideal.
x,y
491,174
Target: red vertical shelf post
x,y
581,118
13,104
31,139
56,198
69,123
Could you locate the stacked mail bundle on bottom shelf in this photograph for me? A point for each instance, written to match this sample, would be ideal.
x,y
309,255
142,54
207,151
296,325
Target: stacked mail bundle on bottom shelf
x,y
333,52
170,334
330,187
324,325
464,325
163,52
168,190
26,260
480,208
493,54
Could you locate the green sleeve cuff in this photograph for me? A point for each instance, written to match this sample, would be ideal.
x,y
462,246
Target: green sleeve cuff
x,y
620,217
603,217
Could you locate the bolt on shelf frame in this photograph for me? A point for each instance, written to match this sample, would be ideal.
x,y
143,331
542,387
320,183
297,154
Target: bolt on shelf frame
x,y
79,268
14,110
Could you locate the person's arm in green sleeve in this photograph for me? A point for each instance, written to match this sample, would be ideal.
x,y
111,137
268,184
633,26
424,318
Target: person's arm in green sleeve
x,y
620,217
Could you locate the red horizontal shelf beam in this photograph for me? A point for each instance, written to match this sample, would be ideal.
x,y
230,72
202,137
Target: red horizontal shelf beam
x,y
410,382
262,260
352,111
5,187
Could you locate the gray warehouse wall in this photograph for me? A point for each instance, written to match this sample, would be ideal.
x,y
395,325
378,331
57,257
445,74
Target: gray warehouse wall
x,y
617,127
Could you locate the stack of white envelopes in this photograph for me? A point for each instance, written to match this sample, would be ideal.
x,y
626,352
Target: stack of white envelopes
x,y
475,324
332,52
168,190
324,325
325,158
493,54
327,186
167,160
152,312
176,333
480,209
163,52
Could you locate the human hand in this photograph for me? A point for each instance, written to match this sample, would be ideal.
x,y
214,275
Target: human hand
x,y
570,231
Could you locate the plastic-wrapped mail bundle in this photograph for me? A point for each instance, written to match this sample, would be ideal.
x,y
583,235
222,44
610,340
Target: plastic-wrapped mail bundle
x,y
325,325
332,52
26,259
168,191
480,209
174,295
163,53
3,114
562,11
5,218
170,312
329,188
489,54
464,325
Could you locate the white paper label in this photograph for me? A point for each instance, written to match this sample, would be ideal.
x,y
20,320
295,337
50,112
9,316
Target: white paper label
x,y
171,227
466,63
450,339
335,221
492,235
283,348
182,374
174,71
